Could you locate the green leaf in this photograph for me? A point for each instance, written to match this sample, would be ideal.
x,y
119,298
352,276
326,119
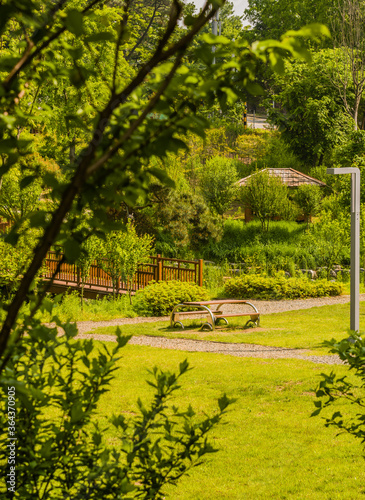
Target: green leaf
x,y
189,20
8,145
72,250
276,62
183,367
77,412
100,37
162,176
215,39
313,30
254,88
38,219
74,22
76,78
316,412
216,4
45,451
26,181
50,180
76,53
96,438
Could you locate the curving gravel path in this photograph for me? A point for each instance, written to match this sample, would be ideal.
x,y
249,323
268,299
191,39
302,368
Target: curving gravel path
x,y
241,350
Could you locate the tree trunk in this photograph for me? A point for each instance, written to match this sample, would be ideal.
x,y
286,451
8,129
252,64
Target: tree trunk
x,y
72,153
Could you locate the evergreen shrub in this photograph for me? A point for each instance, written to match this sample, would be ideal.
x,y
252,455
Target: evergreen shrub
x,y
159,298
279,287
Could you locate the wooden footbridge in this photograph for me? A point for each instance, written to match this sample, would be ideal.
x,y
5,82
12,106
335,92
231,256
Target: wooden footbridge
x,y
99,283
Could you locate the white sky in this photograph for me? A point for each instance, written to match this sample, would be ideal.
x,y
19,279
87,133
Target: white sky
x,y
239,5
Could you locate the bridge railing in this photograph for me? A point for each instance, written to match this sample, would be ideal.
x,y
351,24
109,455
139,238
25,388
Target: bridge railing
x,y
157,269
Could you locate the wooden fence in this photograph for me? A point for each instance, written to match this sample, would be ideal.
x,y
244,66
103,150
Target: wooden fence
x,y
4,225
100,283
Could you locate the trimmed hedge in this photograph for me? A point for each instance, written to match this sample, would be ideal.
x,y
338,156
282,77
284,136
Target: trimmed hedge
x,y
159,298
269,288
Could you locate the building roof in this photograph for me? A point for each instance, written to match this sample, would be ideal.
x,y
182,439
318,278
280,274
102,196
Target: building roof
x,y
289,176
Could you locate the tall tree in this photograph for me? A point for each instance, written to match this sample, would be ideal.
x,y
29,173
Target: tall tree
x,y
348,20
120,134
53,42
267,197
311,118
308,198
269,19
218,184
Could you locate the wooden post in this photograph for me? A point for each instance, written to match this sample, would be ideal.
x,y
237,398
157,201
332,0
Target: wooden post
x,y
200,278
159,267
137,280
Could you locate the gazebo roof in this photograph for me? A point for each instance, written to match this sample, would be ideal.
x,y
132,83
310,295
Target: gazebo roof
x,y
289,176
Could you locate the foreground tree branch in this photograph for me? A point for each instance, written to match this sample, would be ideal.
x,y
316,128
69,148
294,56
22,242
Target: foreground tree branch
x,y
85,164
112,146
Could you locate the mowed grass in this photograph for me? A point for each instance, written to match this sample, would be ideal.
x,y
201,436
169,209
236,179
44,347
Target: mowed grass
x,y
269,447
302,329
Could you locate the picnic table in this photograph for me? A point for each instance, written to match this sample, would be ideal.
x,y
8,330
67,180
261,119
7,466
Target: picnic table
x,y
215,314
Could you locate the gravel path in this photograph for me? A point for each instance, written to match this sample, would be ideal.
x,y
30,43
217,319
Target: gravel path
x,y
241,350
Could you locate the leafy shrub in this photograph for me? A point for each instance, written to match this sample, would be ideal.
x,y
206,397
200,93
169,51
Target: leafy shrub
x,y
13,260
217,184
337,390
279,287
61,452
159,299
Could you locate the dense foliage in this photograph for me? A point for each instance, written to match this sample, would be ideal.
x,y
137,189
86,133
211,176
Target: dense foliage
x,y
334,388
103,112
62,452
92,93
275,288
159,299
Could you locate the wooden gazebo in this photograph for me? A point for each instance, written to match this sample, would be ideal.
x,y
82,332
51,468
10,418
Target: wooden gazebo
x,y
290,177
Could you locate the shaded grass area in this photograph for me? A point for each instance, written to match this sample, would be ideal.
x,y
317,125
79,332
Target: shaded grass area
x,y
269,447
302,329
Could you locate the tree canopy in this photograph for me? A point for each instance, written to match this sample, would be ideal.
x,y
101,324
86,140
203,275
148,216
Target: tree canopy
x,y
99,90
113,133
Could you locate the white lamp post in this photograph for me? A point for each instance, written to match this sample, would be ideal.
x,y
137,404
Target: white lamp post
x,y
355,243
215,22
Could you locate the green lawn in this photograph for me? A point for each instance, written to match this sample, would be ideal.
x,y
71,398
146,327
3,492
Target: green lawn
x,y
269,447
306,328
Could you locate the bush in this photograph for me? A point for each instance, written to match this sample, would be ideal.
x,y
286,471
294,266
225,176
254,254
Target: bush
x,y
52,388
217,184
159,299
279,287
334,391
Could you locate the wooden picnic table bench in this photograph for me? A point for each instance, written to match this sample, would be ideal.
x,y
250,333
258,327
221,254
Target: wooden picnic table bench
x,y
212,315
